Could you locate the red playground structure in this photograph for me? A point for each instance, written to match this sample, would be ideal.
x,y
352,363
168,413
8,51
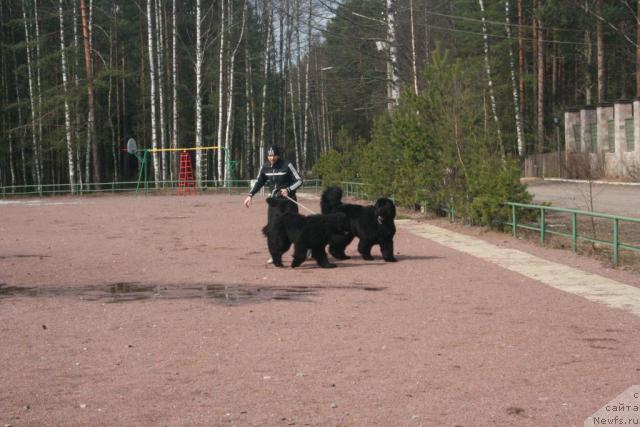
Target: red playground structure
x,y
186,183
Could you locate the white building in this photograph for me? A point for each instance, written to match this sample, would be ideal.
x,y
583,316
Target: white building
x,y
608,135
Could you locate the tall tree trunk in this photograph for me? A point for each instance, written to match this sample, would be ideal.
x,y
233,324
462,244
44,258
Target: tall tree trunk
x,y
36,151
114,148
638,49
152,95
521,61
487,66
161,115
393,92
76,82
540,75
38,79
269,18
174,80
250,111
588,85
600,54
198,67
285,43
293,117
305,112
91,127
23,159
228,142
514,86
67,113
6,116
414,69
298,141
427,40
220,141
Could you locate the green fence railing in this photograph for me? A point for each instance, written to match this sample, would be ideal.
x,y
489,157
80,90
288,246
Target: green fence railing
x,y
542,228
354,189
231,186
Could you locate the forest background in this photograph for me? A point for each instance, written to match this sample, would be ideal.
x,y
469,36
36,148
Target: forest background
x,y
431,101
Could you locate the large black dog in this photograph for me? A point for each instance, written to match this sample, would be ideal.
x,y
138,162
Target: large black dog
x,y
373,225
311,232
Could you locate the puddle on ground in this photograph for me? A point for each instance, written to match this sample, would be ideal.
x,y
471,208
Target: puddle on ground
x,y
231,294
24,256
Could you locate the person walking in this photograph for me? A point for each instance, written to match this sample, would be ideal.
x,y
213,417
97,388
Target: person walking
x,y
280,175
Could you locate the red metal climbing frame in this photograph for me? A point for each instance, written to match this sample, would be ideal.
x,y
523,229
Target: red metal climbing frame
x,y
186,183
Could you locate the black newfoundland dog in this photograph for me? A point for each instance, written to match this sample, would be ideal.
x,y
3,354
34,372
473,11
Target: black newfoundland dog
x,y
304,232
373,225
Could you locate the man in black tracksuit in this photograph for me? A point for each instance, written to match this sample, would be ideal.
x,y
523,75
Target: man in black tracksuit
x,y
282,176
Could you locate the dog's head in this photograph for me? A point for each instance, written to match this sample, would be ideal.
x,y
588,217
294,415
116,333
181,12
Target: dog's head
x,y
384,210
331,199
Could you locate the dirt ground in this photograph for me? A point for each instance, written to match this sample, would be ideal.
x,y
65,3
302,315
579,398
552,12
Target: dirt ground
x,y
161,310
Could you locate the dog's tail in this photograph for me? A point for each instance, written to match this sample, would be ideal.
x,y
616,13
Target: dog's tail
x,y
331,199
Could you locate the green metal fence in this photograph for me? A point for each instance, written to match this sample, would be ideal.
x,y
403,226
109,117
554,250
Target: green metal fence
x,y
232,186
575,237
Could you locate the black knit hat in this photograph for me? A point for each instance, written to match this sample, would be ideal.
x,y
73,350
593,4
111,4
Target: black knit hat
x,y
273,151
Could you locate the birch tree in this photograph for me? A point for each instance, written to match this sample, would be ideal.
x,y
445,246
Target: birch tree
x,y
220,141
152,95
487,67
161,99
393,92
514,87
232,60
305,111
67,113
521,54
414,70
174,80
198,100
38,79
265,74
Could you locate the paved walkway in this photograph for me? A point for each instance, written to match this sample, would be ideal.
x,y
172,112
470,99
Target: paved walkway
x,y
607,198
588,285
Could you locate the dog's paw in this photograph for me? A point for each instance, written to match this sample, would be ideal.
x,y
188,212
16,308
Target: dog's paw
x,y
367,257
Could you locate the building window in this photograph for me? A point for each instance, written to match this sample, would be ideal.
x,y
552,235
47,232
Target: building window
x,y
577,131
611,136
593,128
628,130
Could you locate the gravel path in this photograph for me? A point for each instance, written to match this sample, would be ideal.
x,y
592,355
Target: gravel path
x,y
160,310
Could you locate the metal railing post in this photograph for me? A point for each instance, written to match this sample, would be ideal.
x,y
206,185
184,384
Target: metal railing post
x,y
542,225
574,231
616,244
514,221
